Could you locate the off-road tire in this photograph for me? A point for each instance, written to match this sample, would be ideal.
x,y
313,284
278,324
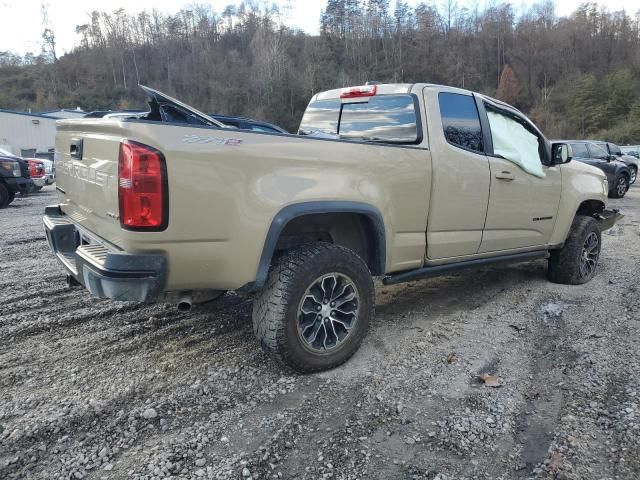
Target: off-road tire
x,y
4,196
275,309
614,193
564,264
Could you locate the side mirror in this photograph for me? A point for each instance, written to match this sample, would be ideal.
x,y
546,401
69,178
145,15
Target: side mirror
x,y
561,153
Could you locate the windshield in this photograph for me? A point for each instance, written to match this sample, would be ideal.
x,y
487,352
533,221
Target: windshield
x,y
4,152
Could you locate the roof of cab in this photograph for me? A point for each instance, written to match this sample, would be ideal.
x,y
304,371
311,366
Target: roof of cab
x,y
399,88
404,88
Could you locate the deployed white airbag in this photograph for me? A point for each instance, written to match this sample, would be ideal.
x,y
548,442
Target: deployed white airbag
x,y
515,143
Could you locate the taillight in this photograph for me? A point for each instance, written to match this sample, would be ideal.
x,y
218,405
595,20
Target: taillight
x,y
142,187
361,91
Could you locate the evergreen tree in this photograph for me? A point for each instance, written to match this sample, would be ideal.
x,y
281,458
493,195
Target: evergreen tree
x,y
586,105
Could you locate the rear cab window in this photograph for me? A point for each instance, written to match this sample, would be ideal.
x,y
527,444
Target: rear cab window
x,y
391,119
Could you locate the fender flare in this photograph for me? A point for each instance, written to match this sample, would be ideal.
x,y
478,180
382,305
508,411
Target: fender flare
x,y
288,213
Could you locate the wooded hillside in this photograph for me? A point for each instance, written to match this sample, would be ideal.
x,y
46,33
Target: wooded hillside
x,y
576,77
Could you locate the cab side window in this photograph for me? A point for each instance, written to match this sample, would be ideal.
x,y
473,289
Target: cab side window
x,y
596,151
460,121
514,140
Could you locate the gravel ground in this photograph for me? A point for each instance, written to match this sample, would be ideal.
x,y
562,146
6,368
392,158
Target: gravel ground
x,y
104,390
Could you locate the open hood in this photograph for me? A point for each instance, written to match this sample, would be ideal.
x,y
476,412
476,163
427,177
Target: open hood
x,y
168,109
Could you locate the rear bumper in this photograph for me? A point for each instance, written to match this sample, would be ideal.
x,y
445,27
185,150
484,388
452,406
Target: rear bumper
x,y
608,218
104,271
39,181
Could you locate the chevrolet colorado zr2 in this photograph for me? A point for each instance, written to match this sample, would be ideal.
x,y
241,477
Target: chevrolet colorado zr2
x,y
398,181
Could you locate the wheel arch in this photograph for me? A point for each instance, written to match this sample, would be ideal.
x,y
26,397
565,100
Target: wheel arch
x,y
624,170
586,205
369,218
590,207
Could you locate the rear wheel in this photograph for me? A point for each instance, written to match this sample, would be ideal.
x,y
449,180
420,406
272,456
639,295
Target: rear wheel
x,y
575,263
316,307
620,186
4,196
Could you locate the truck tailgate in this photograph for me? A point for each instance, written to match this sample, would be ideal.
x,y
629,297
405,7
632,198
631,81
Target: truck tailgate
x,y
87,174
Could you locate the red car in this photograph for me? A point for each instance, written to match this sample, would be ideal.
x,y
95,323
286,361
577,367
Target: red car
x,y
37,173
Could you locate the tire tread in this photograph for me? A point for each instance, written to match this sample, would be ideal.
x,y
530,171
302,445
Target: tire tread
x,y
563,267
271,304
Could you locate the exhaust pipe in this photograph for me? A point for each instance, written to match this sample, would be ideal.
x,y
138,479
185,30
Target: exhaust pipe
x,y
184,304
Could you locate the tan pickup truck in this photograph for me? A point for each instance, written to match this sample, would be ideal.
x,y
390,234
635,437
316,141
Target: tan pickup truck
x,y
399,181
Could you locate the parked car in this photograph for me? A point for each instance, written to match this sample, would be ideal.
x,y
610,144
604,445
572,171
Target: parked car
x,y
50,171
616,152
618,174
422,180
241,123
106,113
37,173
633,150
14,178
248,124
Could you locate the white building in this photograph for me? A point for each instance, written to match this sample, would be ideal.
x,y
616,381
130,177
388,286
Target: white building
x,y
24,134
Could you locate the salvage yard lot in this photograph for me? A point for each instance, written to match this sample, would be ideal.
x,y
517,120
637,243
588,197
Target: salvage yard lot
x,y
98,389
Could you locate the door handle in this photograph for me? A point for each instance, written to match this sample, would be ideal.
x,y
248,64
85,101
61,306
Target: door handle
x,y
504,175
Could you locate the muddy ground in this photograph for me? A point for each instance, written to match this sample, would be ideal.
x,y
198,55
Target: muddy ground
x,y
103,390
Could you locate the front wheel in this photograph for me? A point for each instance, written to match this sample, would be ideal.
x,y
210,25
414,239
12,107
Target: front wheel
x,y
315,308
634,175
620,186
575,263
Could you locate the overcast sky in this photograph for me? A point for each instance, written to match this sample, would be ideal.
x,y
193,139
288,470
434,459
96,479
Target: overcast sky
x,y
21,21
